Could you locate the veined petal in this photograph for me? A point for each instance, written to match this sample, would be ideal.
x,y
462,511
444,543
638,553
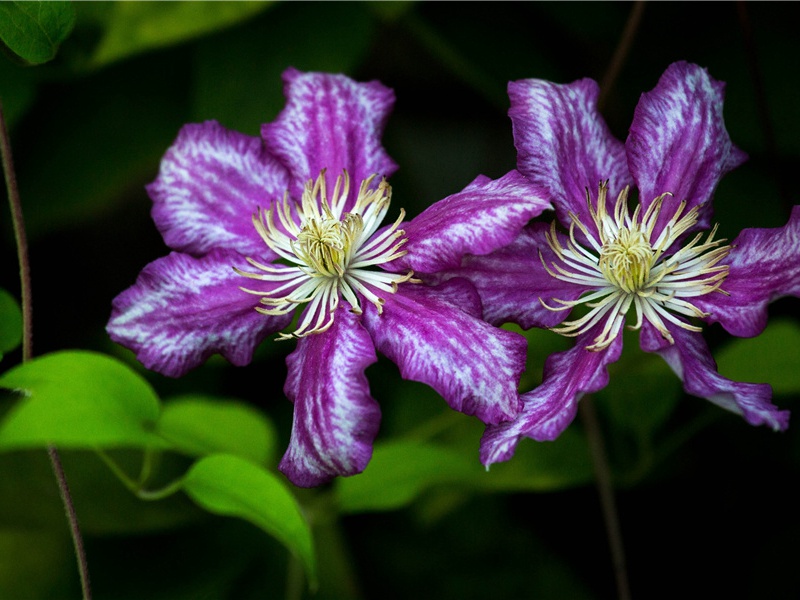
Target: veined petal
x,y
331,123
335,418
691,360
511,280
678,142
563,144
475,367
210,183
551,407
764,266
182,309
485,216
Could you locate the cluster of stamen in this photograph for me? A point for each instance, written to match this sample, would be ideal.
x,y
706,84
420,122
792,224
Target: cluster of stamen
x,y
328,252
625,266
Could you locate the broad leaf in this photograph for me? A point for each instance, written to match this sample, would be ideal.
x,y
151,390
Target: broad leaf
x,y
772,357
200,425
232,486
10,323
399,472
79,399
134,27
34,30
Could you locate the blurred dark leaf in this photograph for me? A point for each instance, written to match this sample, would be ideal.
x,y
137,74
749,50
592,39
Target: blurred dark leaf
x,y
237,72
134,27
10,323
398,472
771,357
33,30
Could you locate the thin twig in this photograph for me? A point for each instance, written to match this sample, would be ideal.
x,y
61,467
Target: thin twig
x,y
605,489
621,53
27,342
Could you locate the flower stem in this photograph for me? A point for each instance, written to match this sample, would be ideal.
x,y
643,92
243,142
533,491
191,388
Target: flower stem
x,y
602,474
27,342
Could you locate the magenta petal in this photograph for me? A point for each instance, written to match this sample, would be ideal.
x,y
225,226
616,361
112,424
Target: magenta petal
x,y
182,309
331,122
335,418
511,280
678,142
764,266
483,217
550,408
691,360
563,144
210,183
475,367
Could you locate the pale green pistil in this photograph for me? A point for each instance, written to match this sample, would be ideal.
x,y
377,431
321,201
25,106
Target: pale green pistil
x,y
625,266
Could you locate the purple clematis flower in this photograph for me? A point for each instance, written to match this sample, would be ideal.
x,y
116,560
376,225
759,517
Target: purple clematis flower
x,y
261,227
654,262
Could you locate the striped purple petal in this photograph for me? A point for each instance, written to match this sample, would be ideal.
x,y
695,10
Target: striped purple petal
x,y
678,142
182,309
550,408
764,266
691,360
335,418
511,280
433,336
486,215
563,144
331,122
210,183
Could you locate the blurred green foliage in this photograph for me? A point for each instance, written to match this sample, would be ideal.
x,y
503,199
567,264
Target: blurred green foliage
x,y
698,488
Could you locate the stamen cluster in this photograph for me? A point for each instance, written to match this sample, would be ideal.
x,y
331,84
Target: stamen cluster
x,y
328,252
625,266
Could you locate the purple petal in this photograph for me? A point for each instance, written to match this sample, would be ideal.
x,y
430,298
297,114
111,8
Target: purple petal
x,y
485,216
691,360
335,418
331,122
475,367
551,407
182,309
563,144
678,142
210,183
765,266
511,280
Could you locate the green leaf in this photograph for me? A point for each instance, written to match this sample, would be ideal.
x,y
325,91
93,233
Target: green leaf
x,y
10,323
135,27
772,357
544,466
200,425
34,30
231,486
643,392
400,471
78,399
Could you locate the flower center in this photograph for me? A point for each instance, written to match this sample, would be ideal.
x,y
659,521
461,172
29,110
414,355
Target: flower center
x,y
328,252
625,266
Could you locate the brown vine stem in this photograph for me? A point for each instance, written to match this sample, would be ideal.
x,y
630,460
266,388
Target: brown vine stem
x,y
27,341
605,489
621,52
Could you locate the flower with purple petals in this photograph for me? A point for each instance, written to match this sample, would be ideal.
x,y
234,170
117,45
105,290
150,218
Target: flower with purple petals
x,y
262,228
653,262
